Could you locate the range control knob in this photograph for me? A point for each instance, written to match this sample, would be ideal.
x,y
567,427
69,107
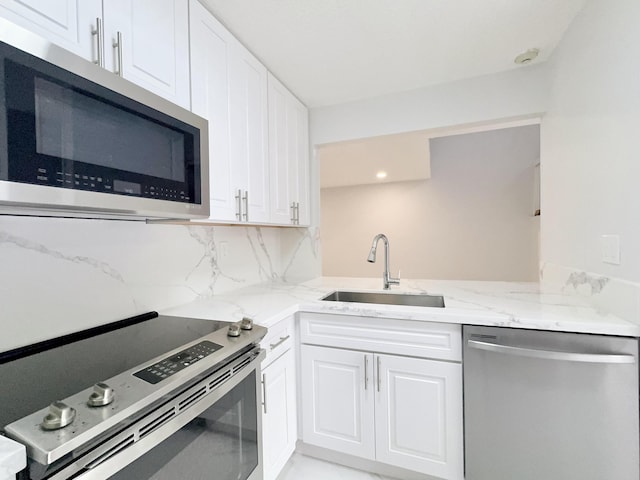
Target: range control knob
x,y
246,324
60,415
234,330
102,395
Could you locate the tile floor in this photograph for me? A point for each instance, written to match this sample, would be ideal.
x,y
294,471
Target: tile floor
x,y
302,467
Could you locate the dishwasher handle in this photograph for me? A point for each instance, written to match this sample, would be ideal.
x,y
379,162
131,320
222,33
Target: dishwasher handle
x,y
551,354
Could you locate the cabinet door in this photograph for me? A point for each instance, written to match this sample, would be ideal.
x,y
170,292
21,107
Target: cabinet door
x,y
419,415
155,45
248,131
67,23
281,197
298,158
288,154
337,400
279,414
210,52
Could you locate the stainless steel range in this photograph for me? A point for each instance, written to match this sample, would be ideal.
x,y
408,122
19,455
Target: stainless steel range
x,y
150,397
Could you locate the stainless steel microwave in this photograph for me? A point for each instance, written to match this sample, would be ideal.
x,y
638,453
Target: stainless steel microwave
x,y
77,140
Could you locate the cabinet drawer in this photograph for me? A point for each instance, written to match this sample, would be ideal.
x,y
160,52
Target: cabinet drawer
x,y
384,335
278,340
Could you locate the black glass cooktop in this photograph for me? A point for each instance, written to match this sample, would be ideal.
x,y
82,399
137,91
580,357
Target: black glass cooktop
x,y
32,377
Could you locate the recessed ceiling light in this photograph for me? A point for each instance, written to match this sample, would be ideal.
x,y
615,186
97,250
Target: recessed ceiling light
x,y
381,174
527,57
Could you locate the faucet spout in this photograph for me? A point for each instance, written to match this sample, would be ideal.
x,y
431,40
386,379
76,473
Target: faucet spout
x,y
386,277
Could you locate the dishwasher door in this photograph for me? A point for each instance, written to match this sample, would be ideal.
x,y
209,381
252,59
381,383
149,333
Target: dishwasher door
x,y
544,405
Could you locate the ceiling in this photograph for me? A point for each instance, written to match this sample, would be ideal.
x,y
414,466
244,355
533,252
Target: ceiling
x,y
402,157
333,51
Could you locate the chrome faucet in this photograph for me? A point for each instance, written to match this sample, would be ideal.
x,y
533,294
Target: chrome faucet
x,y
386,277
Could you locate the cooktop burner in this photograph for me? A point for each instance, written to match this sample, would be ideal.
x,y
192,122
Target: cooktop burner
x,y
33,376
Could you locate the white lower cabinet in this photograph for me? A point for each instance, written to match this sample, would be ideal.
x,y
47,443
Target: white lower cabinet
x,y
279,400
337,400
397,410
279,414
419,415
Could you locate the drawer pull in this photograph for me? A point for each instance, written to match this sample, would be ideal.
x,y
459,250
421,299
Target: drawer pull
x,y
279,342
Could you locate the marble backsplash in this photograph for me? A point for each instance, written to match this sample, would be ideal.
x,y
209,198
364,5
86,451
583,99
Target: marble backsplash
x,y
607,294
62,275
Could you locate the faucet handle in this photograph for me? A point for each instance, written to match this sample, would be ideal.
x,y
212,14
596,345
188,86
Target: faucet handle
x,y
395,281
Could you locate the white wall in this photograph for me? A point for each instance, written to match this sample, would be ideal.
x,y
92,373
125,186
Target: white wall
x,y
472,220
62,275
591,142
515,93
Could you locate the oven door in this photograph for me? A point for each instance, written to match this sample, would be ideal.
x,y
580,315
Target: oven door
x,y
218,436
223,442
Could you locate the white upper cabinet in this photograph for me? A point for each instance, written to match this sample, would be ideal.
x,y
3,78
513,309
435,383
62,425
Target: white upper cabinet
x,y
289,156
147,42
229,88
299,162
248,133
210,52
71,24
281,206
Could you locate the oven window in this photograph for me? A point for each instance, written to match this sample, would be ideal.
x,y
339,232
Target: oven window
x,y
221,443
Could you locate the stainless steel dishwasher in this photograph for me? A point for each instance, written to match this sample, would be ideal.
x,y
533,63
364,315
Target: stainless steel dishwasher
x,y
550,405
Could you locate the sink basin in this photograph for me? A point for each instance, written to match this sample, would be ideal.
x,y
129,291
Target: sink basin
x,y
405,299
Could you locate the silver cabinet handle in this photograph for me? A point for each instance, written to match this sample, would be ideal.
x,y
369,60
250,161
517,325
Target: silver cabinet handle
x,y
238,198
366,368
551,354
98,33
118,46
378,376
245,199
279,342
297,218
293,213
264,393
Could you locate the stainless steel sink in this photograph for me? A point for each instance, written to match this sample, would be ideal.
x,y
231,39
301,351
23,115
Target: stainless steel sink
x,y
405,299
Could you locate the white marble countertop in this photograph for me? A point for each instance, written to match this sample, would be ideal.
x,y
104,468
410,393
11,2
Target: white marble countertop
x,y
506,304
